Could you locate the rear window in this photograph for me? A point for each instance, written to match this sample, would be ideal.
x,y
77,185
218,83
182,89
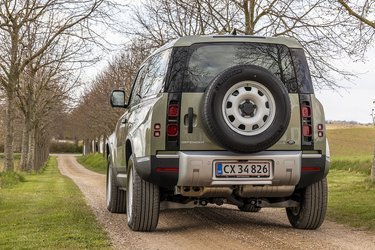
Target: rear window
x,y
194,67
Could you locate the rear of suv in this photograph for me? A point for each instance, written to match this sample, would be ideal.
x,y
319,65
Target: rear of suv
x,y
220,119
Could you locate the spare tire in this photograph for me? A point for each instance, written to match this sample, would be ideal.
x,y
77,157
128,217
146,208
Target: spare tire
x,y
245,109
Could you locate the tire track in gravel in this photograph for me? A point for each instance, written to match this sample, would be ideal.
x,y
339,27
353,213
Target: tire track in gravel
x,y
211,227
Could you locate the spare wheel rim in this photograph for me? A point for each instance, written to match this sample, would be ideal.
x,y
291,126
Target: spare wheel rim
x,y
248,108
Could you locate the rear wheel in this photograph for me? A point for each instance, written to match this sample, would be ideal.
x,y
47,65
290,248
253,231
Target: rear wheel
x,y
115,197
313,206
143,201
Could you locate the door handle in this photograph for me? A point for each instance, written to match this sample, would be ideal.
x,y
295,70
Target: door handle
x,y
190,120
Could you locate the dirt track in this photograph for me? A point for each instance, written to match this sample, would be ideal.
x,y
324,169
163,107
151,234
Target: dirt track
x,y
211,227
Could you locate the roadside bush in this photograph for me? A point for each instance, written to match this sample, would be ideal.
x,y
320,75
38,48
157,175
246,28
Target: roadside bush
x,y
65,147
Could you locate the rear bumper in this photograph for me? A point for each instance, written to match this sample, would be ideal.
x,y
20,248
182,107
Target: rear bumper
x,y
195,169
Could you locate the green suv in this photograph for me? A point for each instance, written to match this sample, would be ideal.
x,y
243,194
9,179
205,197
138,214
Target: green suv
x,y
220,120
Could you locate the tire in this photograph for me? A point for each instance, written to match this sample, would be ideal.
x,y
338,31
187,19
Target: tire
x,y
245,109
143,202
249,208
313,207
115,197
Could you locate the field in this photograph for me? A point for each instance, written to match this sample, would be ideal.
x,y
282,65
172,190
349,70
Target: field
x,y
351,143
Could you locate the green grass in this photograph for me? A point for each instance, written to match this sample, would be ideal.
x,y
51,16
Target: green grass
x,y
351,193
356,166
95,162
351,199
47,211
10,179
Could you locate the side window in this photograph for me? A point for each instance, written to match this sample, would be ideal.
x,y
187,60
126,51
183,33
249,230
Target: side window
x,y
135,94
155,74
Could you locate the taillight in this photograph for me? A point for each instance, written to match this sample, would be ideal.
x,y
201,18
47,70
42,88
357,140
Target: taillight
x,y
306,122
173,110
173,121
172,130
307,130
305,111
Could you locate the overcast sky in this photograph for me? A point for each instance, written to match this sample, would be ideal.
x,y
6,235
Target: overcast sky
x,y
356,101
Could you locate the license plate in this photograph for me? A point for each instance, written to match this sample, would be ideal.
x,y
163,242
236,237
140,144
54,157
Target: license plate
x,y
258,169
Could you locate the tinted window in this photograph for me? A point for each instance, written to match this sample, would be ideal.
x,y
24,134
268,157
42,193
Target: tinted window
x,y
302,71
155,74
197,65
135,95
207,61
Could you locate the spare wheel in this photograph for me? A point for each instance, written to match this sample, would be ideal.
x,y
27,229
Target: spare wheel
x,y
246,109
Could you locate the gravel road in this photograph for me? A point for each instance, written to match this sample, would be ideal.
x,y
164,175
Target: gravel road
x,y
211,227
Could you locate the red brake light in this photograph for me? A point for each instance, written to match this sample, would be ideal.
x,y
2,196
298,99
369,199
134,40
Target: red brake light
x,y
173,110
172,129
307,130
306,112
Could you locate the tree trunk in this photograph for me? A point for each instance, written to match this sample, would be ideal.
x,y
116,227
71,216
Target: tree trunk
x,y
104,140
249,13
9,122
25,144
373,167
86,147
31,156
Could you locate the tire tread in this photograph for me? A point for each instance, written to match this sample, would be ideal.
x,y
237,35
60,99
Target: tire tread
x,y
117,203
313,207
146,204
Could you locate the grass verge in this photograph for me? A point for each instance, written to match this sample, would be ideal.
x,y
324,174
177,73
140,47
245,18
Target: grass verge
x,y
351,199
95,162
362,166
10,179
47,211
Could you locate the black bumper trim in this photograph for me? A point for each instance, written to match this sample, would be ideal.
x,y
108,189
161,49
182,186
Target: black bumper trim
x,y
147,171
312,170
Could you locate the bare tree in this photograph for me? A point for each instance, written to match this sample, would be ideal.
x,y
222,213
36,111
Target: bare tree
x,y
55,19
324,29
362,12
93,118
